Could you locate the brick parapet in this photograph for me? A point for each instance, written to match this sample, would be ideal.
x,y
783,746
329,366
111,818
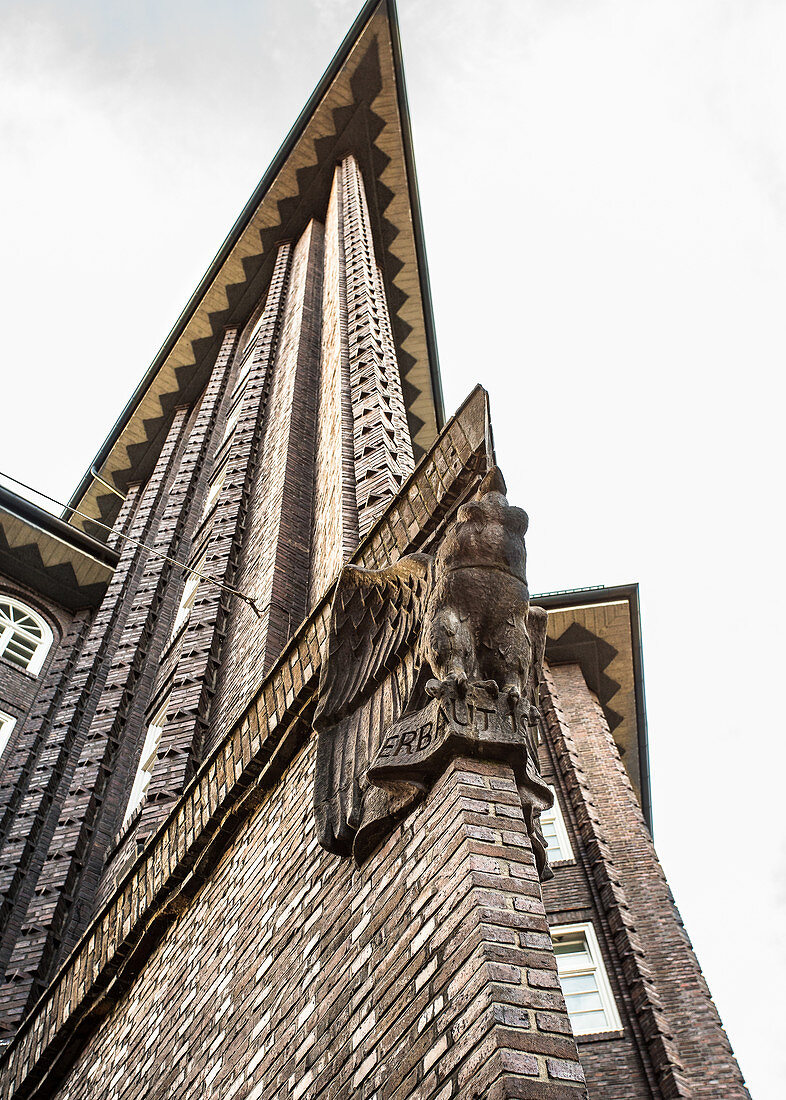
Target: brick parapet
x,y
685,1010
247,763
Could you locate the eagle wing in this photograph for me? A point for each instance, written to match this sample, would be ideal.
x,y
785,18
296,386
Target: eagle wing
x,y
375,614
367,679
537,625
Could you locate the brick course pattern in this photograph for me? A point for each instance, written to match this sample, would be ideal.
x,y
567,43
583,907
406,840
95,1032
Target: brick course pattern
x,y
82,744
249,761
428,973
672,991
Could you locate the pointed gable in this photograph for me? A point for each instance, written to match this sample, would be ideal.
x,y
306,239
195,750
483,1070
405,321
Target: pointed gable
x,y
359,106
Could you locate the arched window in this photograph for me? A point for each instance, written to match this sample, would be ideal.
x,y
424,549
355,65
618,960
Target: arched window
x,y
24,636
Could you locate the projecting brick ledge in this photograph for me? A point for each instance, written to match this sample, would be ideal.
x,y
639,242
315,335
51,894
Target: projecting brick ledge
x,y
179,857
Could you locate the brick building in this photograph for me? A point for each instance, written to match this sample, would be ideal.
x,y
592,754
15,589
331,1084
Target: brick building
x,y
171,924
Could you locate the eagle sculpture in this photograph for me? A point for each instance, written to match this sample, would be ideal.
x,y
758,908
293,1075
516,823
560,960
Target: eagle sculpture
x,y
424,628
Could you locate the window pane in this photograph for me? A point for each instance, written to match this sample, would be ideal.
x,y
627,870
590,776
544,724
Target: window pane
x,y
588,996
584,1002
551,838
584,1023
579,983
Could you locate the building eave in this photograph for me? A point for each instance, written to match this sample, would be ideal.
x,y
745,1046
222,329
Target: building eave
x,y
179,370
49,556
572,602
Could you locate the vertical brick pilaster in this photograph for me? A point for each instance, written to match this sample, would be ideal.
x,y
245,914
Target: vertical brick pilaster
x,y
27,839
274,560
124,701
24,803
335,502
194,654
77,763
382,443
677,1002
364,448
654,1035
497,1025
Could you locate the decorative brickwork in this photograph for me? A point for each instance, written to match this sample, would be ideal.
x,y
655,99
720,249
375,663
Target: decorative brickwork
x,y
383,449
335,503
81,746
157,828
22,810
274,560
428,973
658,1043
674,1006
249,761
159,587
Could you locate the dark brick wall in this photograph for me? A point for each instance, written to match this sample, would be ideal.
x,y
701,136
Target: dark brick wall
x,y
600,800
18,689
427,973
51,838
274,558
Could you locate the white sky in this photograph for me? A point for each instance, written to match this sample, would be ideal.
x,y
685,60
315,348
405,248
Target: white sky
x,y
604,196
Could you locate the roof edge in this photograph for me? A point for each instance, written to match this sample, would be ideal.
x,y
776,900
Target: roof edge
x,y
56,527
583,597
241,223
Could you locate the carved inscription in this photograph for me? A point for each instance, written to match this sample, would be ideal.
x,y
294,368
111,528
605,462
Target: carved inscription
x,y
479,723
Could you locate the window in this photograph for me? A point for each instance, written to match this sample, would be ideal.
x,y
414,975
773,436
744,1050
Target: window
x,y
232,419
214,489
146,763
246,364
187,599
552,824
7,723
24,636
583,979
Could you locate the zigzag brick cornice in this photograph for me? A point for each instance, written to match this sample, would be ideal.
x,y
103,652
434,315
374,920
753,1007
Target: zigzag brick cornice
x,y
359,107
249,762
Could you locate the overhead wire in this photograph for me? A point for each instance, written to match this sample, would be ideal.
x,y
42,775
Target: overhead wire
x,y
135,542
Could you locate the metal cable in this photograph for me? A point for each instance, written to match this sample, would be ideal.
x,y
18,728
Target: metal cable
x,y
141,545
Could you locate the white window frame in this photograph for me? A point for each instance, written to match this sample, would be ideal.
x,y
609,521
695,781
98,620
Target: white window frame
x,y
598,969
187,599
232,418
147,762
554,816
9,631
214,489
7,724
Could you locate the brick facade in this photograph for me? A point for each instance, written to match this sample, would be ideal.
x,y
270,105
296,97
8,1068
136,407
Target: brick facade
x,y
426,973
215,948
671,1013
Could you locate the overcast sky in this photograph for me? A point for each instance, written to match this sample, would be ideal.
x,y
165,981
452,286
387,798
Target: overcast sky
x,y
604,197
